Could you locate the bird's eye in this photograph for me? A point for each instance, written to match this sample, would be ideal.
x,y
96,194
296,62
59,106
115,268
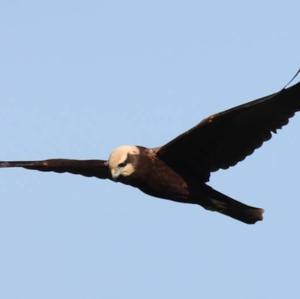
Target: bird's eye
x,y
122,164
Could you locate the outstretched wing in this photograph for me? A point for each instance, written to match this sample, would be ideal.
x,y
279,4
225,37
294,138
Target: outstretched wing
x,y
224,139
89,168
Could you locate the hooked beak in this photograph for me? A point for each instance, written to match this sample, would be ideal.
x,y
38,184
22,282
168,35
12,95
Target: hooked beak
x,y
115,173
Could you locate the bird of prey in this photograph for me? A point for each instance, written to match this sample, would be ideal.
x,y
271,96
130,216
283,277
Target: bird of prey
x,y
180,169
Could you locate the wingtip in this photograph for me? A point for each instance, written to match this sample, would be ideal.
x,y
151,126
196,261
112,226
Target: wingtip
x,y
4,164
292,79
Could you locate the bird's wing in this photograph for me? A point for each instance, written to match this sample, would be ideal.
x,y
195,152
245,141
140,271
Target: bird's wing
x,y
225,138
90,168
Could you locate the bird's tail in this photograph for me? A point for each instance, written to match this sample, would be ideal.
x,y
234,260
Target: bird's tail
x,y
219,202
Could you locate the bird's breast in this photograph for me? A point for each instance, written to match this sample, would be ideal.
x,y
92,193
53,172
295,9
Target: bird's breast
x,y
156,178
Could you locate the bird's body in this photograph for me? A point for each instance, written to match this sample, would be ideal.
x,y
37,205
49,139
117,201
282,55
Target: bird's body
x,y
180,169
154,177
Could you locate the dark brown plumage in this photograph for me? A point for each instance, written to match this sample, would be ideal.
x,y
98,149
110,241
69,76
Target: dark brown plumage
x,y
180,169
89,168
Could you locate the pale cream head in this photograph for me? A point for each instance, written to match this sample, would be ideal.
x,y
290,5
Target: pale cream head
x,y
117,160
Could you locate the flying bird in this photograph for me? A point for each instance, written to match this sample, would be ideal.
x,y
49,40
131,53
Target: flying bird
x,y
180,169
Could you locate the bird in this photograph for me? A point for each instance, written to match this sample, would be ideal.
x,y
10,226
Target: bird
x,y
180,169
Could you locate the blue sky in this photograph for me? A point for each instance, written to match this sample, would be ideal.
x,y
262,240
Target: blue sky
x,y
79,78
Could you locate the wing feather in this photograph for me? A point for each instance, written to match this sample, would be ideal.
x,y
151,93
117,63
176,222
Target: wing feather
x,y
224,139
89,168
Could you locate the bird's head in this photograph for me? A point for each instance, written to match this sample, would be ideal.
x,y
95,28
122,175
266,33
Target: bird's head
x,y
121,161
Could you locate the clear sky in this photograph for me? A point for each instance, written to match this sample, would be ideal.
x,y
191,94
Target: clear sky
x,y
79,78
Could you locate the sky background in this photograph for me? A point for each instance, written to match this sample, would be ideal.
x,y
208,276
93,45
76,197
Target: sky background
x,y
79,78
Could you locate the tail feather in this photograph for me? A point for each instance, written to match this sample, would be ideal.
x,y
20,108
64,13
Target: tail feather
x,y
217,201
